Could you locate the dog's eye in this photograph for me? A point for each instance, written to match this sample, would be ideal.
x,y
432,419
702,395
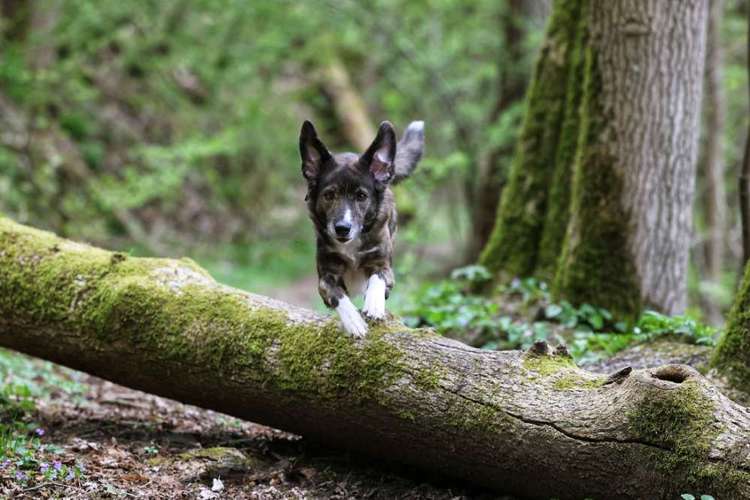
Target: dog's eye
x,y
329,195
361,196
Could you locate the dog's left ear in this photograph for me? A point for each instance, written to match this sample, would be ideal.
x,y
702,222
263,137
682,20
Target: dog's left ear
x,y
379,157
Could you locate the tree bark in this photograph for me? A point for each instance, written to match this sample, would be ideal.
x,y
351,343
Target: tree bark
x,y
16,19
744,180
492,175
349,106
712,164
557,214
513,246
628,239
732,355
531,424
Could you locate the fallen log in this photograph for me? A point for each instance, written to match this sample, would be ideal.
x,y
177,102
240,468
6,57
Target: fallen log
x,y
531,424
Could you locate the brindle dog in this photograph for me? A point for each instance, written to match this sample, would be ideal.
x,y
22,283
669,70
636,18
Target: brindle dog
x,y
352,208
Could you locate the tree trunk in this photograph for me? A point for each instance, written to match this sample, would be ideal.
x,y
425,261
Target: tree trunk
x,y
531,424
712,165
349,106
732,355
628,238
488,185
41,50
558,205
744,180
513,247
16,19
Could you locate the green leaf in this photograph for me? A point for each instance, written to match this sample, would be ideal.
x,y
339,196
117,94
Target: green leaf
x,y
552,311
597,322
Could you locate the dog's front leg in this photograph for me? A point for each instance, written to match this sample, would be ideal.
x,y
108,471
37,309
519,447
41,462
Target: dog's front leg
x,y
379,286
335,297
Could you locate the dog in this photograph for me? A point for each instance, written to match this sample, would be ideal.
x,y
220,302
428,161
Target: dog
x,y
351,205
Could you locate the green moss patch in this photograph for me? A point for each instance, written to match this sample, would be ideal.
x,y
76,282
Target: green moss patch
x,y
596,266
677,419
732,354
546,365
572,381
682,421
514,243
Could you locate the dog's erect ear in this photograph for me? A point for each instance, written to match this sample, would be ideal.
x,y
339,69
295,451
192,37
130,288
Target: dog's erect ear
x,y
312,151
378,159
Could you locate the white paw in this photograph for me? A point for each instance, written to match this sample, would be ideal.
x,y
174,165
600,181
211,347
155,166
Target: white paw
x,y
350,318
375,298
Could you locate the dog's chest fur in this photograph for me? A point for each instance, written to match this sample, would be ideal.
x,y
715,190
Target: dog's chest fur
x,y
354,275
363,255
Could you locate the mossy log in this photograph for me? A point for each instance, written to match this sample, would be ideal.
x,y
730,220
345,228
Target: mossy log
x,y
531,424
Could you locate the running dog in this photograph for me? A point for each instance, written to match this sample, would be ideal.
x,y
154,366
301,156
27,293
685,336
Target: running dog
x,y
351,205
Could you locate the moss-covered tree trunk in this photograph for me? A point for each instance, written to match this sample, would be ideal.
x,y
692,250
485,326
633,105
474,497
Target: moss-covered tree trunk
x,y
628,237
732,355
517,18
613,110
513,247
531,424
557,213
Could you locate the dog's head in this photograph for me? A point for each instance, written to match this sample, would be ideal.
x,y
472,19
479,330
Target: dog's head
x,y
345,191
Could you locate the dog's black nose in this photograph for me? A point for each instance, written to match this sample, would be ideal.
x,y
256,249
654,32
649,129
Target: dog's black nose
x,y
342,229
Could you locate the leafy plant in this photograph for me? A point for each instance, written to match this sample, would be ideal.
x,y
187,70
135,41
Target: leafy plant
x,y
521,312
23,454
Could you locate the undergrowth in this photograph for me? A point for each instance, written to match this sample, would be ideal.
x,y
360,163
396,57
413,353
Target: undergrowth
x,y
519,313
25,458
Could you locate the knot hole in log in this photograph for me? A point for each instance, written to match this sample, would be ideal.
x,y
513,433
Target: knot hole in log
x,y
673,373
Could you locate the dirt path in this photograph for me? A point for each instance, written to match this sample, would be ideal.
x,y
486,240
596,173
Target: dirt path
x,y
302,292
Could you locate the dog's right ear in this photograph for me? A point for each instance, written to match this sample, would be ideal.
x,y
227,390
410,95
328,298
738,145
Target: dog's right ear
x,y
313,152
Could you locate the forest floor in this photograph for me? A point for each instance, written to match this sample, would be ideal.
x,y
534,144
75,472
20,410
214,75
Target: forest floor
x,y
128,444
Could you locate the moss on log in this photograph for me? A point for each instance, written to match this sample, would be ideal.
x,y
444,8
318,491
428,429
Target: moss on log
x,y
531,424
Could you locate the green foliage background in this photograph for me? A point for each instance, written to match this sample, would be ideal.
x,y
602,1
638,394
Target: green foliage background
x,y
168,127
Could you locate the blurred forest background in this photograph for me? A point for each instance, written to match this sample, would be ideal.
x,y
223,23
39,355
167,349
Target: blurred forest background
x,y
172,128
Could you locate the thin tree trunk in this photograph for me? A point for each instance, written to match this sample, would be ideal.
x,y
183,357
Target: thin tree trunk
x,y
349,106
744,192
16,19
628,240
492,176
531,424
744,180
41,53
712,162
